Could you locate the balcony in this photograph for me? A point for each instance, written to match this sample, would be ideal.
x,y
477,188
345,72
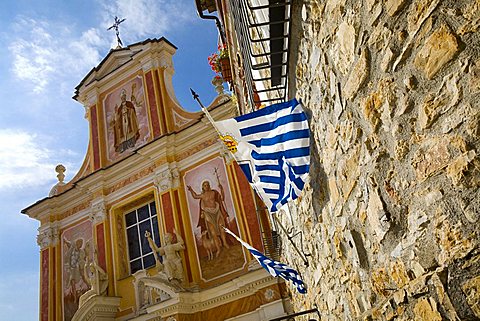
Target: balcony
x,y
262,29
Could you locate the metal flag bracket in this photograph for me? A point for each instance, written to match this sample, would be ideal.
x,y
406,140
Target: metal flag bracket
x,y
290,236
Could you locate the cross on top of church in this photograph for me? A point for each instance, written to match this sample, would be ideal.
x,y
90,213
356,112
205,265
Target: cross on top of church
x,y
115,27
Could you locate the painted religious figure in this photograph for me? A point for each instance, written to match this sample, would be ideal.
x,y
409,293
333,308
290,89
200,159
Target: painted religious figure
x,y
126,118
213,215
76,255
211,208
125,122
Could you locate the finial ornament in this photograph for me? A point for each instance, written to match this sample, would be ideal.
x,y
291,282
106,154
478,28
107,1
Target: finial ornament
x,y
60,169
115,27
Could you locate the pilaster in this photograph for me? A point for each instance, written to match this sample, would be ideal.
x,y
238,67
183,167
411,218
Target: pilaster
x,y
48,240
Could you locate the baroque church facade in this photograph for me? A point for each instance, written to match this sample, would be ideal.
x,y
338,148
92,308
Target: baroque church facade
x,y
137,233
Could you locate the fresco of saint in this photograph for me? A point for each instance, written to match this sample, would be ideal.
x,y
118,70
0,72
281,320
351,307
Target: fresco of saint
x,y
125,122
211,208
126,118
76,253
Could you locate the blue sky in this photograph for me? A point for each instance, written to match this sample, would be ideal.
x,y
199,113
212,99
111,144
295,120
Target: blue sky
x,y
46,48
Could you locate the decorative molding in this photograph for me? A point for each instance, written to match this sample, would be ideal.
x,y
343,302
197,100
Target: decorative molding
x,y
151,290
226,154
168,178
98,308
80,207
197,148
98,211
147,64
179,120
48,235
88,100
131,179
165,60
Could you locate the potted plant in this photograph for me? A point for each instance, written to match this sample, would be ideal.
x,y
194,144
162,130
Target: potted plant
x,y
220,62
217,81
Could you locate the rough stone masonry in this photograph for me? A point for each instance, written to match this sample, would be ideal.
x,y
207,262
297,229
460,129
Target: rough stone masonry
x,y
391,214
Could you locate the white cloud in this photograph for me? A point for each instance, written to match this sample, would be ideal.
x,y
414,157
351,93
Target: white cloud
x,y
49,51
24,162
145,18
46,52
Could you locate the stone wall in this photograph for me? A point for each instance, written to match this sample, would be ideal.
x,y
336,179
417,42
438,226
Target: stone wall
x,y
391,213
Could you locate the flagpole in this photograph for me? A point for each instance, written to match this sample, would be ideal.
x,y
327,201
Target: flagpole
x,y
210,119
274,218
205,111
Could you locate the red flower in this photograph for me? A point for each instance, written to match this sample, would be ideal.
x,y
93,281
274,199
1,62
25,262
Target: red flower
x,y
214,59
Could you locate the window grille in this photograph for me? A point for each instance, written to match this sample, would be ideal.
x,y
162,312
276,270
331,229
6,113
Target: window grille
x,y
138,221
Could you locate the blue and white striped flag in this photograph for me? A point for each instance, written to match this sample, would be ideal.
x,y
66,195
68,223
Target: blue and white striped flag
x,y
272,146
275,268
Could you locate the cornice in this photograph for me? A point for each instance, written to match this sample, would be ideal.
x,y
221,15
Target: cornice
x,y
188,303
98,308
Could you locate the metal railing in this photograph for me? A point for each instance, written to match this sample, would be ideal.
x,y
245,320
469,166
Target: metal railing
x,y
264,45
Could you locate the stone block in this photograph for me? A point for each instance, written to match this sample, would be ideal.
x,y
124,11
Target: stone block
x,y
417,287
401,149
381,283
438,49
410,82
379,38
472,212
418,12
453,244
471,13
439,102
350,172
376,216
399,297
426,310
394,6
386,60
443,298
358,75
334,194
432,156
474,77
456,169
345,47
372,109
417,221
399,273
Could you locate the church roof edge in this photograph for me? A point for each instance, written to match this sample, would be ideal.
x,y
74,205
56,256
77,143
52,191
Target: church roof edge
x,y
112,51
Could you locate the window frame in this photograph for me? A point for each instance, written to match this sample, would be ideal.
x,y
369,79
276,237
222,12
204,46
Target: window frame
x,y
155,233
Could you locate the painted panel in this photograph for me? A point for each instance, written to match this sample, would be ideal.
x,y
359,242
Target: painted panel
x,y
152,104
167,210
126,118
101,246
76,252
45,285
209,209
249,208
176,198
54,288
96,149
